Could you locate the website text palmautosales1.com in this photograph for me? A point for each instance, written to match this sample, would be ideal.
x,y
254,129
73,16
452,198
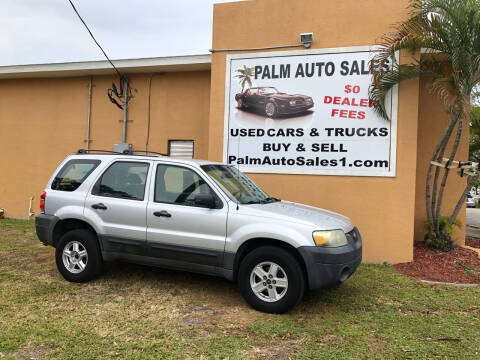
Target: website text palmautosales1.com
x,y
307,162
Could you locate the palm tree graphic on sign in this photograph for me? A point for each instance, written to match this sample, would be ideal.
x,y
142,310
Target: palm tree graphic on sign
x,y
245,76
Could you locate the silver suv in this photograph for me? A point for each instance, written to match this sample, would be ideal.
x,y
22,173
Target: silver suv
x,y
196,216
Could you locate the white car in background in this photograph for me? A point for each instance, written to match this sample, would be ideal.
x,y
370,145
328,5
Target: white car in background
x,y
470,201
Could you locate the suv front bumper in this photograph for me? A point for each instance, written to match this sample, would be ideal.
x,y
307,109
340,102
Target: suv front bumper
x,y
330,266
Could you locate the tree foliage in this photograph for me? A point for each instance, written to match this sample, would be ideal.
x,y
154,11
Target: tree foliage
x,y
474,148
444,38
245,76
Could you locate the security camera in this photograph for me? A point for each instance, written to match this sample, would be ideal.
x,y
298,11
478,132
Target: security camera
x,y
306,39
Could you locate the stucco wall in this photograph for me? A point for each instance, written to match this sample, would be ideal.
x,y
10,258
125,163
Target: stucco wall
x,y
44,120
382,208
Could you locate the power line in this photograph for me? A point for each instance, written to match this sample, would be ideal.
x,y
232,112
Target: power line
x,y
93,37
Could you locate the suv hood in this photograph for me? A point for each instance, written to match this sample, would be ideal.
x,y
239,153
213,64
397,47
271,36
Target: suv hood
x,y
300,213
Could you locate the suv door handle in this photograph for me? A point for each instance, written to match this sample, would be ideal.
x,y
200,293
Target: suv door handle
x,y
163,213
99,206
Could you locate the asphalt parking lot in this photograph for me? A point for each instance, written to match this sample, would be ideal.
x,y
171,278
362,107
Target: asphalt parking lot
x,y
473,222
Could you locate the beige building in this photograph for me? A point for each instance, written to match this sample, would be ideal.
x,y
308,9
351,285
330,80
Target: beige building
x,y
46,113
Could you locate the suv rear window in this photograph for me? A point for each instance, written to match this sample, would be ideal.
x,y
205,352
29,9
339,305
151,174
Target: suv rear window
x,y
73,174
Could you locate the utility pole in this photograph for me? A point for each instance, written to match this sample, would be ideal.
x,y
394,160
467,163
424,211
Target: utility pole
x,y
125,110
125,98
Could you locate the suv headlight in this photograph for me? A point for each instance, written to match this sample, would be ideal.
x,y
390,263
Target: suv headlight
x,y
292,102
329,238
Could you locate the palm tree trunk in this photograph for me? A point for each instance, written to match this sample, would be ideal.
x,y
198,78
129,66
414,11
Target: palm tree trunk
x,y
439,156
471,181
446,173
441,144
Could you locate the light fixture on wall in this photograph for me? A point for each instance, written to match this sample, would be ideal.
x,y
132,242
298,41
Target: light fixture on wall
x,y
306,39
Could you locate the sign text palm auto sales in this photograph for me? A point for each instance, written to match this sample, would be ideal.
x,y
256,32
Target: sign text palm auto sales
x,y
306,114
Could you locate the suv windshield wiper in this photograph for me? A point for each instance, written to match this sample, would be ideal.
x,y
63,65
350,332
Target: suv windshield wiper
x,y
267,200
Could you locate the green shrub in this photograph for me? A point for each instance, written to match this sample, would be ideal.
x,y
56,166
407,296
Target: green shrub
x,y
443,242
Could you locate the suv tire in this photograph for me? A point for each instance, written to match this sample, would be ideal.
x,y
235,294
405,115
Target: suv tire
x,y
268,273
78,256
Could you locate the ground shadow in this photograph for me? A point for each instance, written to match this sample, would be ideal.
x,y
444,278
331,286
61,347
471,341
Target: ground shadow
x,y
117,269
216,288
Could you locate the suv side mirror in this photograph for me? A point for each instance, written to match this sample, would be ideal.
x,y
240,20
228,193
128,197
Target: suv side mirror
x,y
205,200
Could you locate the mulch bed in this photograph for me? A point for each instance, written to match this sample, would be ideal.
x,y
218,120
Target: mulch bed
x,y
460,266
472,242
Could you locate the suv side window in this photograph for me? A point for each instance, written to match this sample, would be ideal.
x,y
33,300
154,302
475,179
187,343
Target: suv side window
x,y
73,174
179,185
124,180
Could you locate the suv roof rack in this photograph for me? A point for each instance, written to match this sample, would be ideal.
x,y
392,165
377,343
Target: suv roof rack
x,y
125,152
145,152
88,151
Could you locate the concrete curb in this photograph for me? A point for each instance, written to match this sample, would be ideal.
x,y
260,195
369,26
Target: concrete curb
x,y
447,283
472,248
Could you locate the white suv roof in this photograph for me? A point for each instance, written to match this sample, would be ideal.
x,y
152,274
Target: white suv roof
x,y
194,162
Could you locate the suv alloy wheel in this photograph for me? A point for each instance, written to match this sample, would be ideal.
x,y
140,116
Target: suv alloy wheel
x,y
271,279
78,256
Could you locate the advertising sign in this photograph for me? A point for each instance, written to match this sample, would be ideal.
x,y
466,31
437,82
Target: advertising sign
x,y
307,112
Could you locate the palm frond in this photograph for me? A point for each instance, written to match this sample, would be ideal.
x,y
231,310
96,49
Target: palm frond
x,y
245,76
445,29
384,81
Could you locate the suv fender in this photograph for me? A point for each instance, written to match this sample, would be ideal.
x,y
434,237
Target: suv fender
x,y
46,225
266,230
70,212
77,213
94,219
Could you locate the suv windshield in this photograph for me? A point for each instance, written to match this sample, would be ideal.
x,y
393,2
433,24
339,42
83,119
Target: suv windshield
x,y
237,186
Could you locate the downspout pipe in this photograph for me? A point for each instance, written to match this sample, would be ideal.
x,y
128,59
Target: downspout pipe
x,y
89,112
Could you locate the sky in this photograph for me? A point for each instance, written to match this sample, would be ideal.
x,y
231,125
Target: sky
x,y
47,31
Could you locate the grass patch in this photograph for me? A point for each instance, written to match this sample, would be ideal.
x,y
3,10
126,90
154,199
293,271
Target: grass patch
x,y
136,312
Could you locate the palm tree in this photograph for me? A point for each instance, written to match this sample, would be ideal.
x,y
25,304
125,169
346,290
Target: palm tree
x,y
448,31
245,76
474,146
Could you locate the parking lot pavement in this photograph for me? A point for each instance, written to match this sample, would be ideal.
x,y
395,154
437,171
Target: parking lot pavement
x,y
473,222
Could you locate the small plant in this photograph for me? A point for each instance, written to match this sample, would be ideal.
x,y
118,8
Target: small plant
x,y
468,269
441,240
